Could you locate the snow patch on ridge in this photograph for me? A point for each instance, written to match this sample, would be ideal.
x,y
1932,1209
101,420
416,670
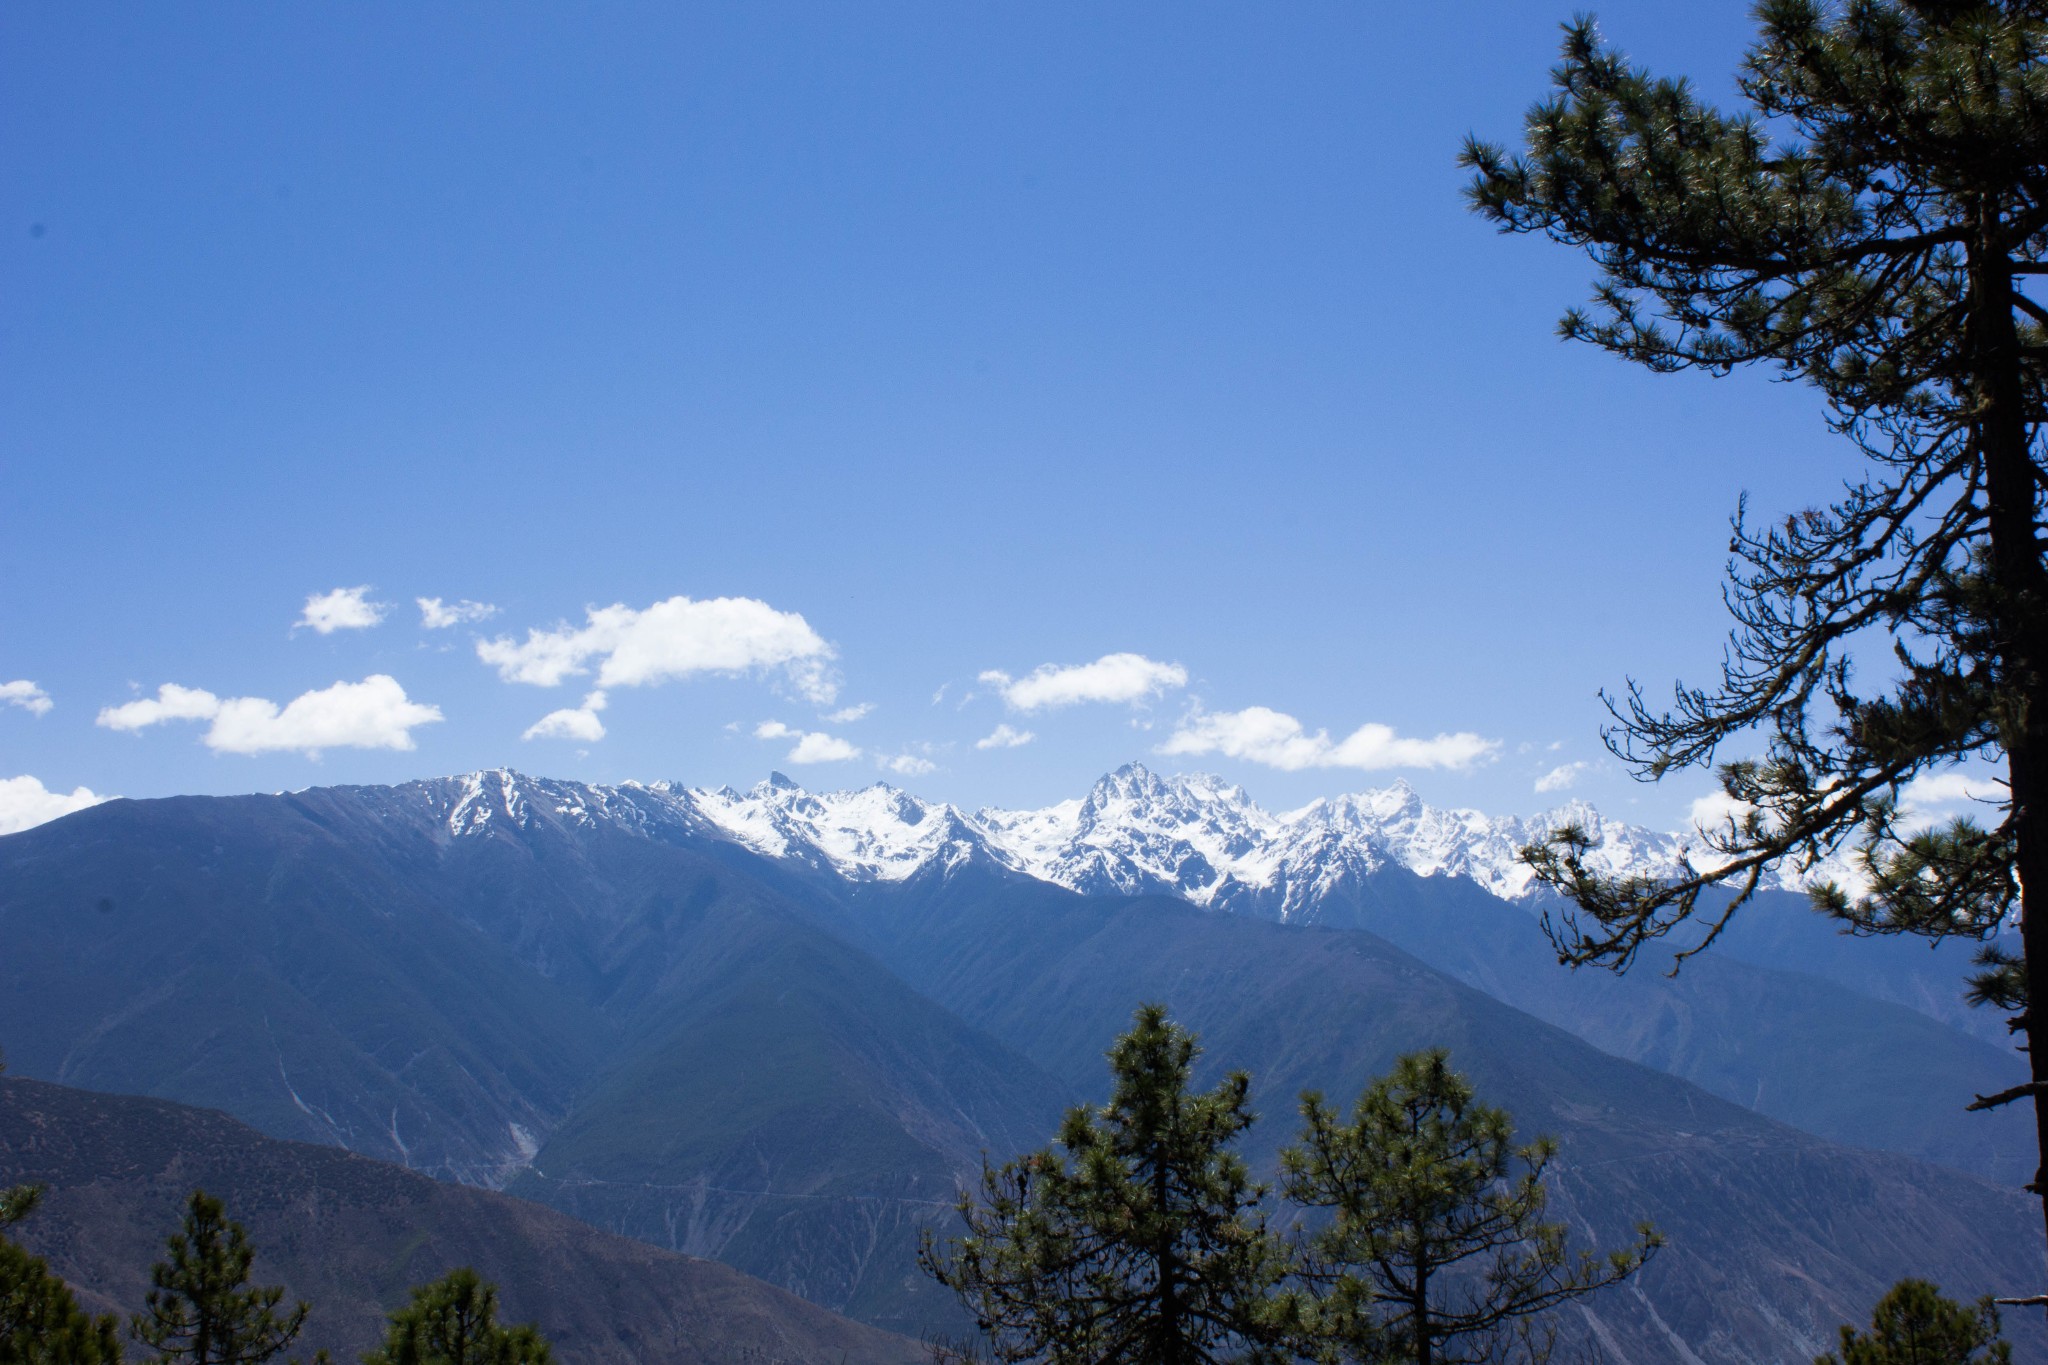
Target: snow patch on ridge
x,y
1134,833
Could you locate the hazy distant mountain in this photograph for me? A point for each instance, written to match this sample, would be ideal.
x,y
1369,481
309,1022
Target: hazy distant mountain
x,y
352,1235
777,1027
1751,1024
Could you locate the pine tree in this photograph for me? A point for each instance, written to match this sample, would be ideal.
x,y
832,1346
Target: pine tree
x,y
40,1320
454,1321
1865,225
1436,1250
1915,1325
1137,1238
201,1307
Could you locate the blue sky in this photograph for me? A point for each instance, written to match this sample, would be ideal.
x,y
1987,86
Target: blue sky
x,y
925,343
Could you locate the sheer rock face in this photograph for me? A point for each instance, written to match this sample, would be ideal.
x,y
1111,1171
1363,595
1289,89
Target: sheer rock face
x,y
350,1235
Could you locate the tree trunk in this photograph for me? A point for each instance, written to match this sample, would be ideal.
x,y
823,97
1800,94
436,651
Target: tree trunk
x,y
2019,600
1173,1347
1425,1345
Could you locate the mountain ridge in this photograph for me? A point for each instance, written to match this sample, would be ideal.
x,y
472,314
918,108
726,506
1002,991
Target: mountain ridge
x,y
1134,832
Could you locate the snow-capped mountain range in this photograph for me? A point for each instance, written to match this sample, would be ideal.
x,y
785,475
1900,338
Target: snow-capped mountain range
x,y
1135,832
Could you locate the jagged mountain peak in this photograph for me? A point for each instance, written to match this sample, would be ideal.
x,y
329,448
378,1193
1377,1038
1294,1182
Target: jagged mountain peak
x,y
1135,831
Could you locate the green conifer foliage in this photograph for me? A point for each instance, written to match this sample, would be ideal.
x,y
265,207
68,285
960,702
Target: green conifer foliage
x,y
42,1324
1869,223
454,1321
1435,1251
201,1308
1915,1325
1136,1238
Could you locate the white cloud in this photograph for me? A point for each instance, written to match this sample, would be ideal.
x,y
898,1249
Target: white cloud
x,y
23,693
811,746
908,765
1716,809
372,714
847,715
26,803
670,640
171,702
1261,735
1004,737
438,615
342,609
1111,678
1949,789
1922,801
571,723
1562,777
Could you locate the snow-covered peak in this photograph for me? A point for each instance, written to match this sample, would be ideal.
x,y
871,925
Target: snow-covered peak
x,y
1135,832
875,833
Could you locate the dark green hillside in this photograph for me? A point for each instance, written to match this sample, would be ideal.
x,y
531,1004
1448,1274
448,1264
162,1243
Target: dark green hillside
x,y
350,1235
1776,1236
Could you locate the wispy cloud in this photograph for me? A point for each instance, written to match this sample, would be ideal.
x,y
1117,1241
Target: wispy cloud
x,y
1951,789
672,639
25,694
438,615
342,609
1111,678
812,746
579,723
907,765
1004,737
1562,778
1259,734
372,714
847,715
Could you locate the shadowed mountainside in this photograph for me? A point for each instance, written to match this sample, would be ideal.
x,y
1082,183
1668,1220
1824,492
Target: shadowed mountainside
x,y
1776,1236
338,967
351,1235
651,1027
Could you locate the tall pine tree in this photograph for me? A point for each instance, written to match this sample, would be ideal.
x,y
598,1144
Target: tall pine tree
x,y
1436,1251
1914,1325
201,1308
454,1321
1867,223
1137,1238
